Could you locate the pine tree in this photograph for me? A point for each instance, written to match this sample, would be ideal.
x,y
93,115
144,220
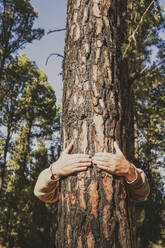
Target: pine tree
x,y
94,203
107,47
16,29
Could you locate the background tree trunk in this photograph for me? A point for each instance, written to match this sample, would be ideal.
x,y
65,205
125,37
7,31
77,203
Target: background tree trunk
x,y
97,109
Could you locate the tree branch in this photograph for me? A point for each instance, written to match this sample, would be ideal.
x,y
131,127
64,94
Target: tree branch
x,y
137,75
56,30
53,54
132,36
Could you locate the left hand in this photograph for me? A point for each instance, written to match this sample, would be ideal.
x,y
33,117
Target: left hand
x,y
115,164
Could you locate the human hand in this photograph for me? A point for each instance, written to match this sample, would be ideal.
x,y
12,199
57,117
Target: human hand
x,y
68,164
115,164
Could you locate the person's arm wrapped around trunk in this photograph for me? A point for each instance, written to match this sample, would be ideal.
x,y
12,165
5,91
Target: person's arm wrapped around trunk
x,y
47,185
46,189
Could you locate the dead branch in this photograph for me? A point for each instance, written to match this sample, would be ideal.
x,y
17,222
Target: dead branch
x,y
132,36
56,30
53,54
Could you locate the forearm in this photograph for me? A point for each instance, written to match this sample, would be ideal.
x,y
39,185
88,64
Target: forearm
x,y
46,189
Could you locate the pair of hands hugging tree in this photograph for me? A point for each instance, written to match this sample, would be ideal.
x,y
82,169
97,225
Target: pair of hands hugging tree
x,y
115,164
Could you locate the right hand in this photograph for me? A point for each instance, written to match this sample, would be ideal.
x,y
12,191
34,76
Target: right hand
x,y
68,164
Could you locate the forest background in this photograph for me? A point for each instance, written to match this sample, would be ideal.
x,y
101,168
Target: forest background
x,y
30,115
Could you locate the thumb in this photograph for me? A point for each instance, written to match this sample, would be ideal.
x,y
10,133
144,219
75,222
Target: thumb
x,y
117,148
69,147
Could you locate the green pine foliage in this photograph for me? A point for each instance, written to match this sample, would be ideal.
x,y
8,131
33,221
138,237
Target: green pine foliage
x,y
150,94
31,221
29,132
144,21
16,28
29,108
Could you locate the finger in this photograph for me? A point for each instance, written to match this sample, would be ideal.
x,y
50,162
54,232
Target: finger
x,y
74,164
101,163
102,167
81,165
111,167
110,160
103,154
106,159
108,169
79,160
117,148
79,155
108,156
69,147
80,169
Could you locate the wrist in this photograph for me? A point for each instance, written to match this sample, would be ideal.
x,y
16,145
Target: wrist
x,y
132,175
54,171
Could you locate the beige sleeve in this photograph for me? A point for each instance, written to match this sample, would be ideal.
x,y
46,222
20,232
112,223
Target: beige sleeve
x,y
46,189
139,189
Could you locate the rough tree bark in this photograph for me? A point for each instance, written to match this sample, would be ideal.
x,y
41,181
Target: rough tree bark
x,y
94,210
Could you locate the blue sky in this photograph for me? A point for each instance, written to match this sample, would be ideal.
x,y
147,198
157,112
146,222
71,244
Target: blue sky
x,y
52,15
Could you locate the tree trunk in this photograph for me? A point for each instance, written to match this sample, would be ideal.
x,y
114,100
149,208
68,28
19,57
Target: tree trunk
x,y
94,210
